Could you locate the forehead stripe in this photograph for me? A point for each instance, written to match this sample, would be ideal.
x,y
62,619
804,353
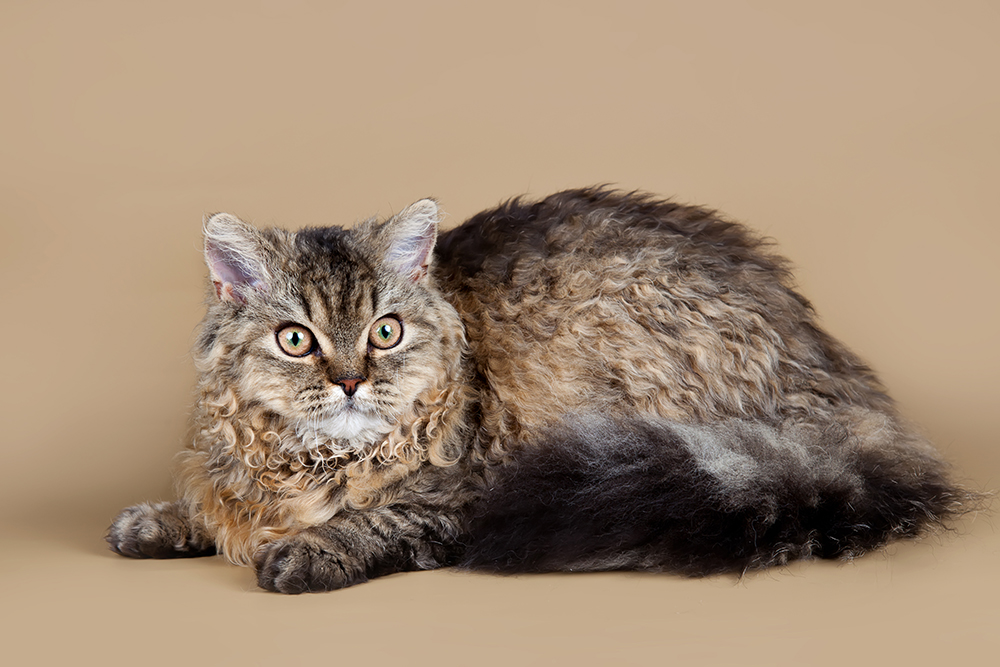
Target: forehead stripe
x,y
305,306
324,297
346,293
359,300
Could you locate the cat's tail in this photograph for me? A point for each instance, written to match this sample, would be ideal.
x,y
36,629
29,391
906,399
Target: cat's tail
x,y
701,499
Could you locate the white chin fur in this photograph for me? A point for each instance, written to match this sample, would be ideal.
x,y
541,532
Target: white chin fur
x,y
350,427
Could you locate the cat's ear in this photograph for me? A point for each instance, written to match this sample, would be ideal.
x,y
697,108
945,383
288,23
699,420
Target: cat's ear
x,y
410,236
235,257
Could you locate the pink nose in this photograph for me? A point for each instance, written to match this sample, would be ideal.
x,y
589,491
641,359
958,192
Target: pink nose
x,y
350,385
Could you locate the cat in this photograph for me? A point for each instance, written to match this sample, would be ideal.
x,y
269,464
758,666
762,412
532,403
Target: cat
x,y
597,380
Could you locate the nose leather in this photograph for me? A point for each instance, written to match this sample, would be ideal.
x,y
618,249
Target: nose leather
x,y
349,384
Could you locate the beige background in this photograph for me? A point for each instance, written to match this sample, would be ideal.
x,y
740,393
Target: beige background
x,y
863,136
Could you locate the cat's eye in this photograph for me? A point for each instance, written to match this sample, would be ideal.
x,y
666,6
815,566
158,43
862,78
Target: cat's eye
x,y
295,340
386,332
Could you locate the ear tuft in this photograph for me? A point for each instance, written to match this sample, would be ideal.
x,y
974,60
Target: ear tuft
x,y
235,257
412,234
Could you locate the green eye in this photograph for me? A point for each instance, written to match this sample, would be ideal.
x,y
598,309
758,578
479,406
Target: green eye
x,y
386,332
295,340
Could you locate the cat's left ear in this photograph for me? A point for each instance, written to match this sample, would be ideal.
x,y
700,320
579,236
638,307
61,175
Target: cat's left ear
x,y
410,236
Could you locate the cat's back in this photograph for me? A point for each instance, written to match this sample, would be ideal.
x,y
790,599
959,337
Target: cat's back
x,y
595,300
596,225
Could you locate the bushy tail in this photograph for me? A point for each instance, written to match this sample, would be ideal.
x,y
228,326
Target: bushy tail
x,y
602,495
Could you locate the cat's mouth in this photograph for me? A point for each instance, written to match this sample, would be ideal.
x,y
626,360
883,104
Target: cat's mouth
x,y
350,405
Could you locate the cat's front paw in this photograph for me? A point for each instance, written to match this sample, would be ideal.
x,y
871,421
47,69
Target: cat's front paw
x,y
160,530
305,563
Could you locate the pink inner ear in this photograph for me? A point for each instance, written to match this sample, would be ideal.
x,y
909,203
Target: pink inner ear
x,y
231,274
411,255
225,292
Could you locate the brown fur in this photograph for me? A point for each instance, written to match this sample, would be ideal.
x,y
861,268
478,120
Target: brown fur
x,y
531,319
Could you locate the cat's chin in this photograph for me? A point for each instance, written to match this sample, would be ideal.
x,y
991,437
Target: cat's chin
x,y
349,428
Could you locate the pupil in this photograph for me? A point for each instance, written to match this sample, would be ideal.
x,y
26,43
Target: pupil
x,y
385,331
295,338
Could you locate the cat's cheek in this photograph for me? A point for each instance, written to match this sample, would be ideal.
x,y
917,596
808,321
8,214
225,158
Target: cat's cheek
x,y
416,378
271,388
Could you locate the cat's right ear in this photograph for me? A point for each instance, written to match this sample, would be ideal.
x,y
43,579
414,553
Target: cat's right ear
x,y
235,257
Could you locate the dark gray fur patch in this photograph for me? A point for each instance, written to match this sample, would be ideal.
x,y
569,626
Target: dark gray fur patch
x,y
605,495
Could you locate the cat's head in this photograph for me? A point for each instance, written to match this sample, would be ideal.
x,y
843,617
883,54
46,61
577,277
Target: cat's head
x,y
338,332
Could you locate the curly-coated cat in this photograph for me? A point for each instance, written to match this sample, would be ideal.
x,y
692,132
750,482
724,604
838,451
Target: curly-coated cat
x,y
594,381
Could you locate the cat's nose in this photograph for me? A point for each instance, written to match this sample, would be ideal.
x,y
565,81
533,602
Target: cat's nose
x,y
349,385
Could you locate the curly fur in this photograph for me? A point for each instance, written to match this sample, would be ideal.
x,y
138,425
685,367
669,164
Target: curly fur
x,y
597,380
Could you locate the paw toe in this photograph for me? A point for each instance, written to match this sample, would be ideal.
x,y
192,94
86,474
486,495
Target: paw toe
x,y
152,531
295,566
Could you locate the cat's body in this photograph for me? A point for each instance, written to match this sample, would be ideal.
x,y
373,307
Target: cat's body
x,y
593,381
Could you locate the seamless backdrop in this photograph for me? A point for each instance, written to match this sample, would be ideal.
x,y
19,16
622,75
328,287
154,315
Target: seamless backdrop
x,y
861,136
